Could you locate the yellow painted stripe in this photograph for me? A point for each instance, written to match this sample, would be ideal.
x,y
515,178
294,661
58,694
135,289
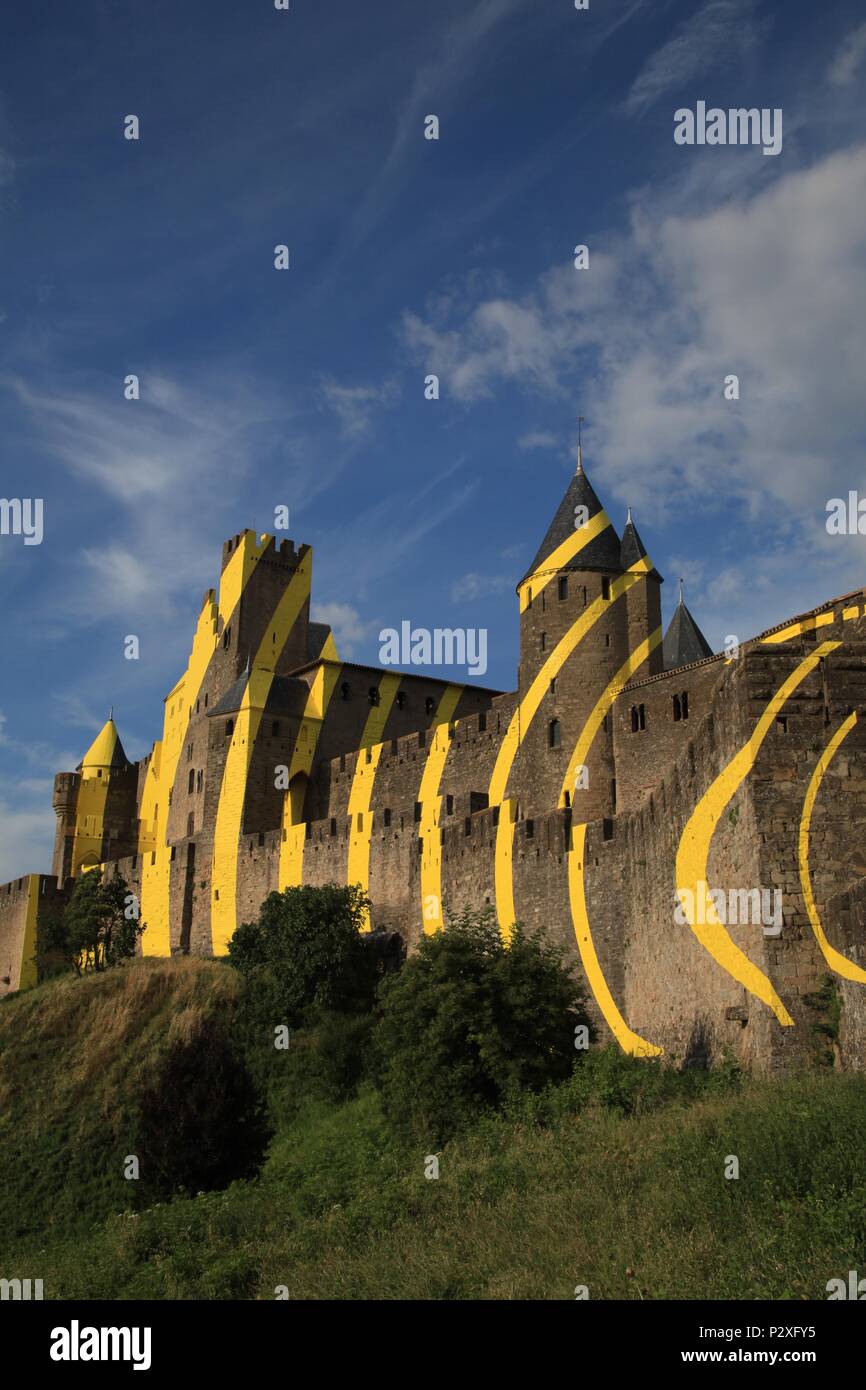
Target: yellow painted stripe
x,y
797,629
503,873
89,819
561,556
431,806
230,811
836,961
587,734
849,613
153,836
291,871
694,847
27,976
360,796
529,705
628,1040
519,726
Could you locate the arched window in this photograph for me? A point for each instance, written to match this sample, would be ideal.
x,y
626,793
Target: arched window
x,y
230,727
554,734
345,691
191,787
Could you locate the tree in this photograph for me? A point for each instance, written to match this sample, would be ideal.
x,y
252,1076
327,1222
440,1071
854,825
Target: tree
x,y
100,926
468,1020
307,953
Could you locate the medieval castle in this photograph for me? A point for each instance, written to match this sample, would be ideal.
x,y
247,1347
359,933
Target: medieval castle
x,y
636,796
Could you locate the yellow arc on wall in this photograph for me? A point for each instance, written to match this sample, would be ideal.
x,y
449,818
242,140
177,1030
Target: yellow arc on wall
x,y
836,961
431,805
291,870
519,726
694,847
360,815
628,1040
230,811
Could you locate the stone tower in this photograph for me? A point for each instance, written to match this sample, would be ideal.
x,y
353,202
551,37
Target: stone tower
x,y
95,807
574,635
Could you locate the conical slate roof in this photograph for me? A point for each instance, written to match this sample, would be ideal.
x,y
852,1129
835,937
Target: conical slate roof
x,y
683,642
602,552
633,549
106,750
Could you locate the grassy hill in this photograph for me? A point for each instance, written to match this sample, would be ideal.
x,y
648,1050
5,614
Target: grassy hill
x,y
613,1179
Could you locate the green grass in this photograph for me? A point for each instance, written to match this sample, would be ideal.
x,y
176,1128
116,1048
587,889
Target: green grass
x,y
614,1180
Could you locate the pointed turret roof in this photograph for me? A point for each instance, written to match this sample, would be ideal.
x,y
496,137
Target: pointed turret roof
x,y
633,549
602,552
106,750
683,642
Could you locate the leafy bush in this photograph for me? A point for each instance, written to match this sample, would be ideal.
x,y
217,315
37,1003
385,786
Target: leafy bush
x,y
469,1020
306,953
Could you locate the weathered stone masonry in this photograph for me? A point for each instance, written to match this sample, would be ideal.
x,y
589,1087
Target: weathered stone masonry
x,y
621,762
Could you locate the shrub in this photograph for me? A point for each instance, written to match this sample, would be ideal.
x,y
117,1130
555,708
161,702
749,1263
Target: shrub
x,y
470,1020
306,953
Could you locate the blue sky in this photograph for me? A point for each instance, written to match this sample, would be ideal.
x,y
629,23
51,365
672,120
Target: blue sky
x,y
409,256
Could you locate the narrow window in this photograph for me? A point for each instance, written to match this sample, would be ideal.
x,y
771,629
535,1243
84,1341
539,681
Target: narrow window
x,y
607,829
227,637
563,587
205,701
567,800
190,823
275,729
641,715
345,691
543,601
373,694
685,704
634,719
417,812
333,825
386,817
449,805
544,641
605,587
782,723
230,727
529,598
429,704
191,786
613,794
482,722
401,699
678,709
607,639
199,781
553,686
554,734
530,829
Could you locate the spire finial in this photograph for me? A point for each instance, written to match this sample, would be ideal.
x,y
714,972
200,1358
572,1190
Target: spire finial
x,y
579,444
111,713
682,600
628,520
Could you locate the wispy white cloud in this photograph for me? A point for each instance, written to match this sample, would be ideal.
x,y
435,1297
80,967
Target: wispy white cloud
x,y
539,439
474,586
354,406
843,68
346,623
720,32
